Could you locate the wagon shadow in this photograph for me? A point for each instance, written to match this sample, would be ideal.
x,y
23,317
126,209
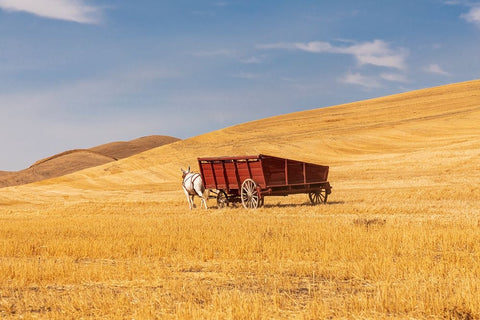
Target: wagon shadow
x,y
283,205
300,205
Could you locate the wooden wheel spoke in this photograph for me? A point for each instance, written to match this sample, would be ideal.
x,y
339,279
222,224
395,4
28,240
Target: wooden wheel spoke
x,y
222,199
249,194
317,197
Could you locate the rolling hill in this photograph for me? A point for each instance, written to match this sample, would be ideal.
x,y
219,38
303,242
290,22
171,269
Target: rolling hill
x,y
399,237
422,145
79,159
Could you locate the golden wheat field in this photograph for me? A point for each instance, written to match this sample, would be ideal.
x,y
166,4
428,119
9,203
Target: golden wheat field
x,y
398,239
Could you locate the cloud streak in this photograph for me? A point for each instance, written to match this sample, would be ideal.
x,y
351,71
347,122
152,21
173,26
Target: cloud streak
x,y
86,113
360,80
436,69
376,52
69,10
394,77
473,16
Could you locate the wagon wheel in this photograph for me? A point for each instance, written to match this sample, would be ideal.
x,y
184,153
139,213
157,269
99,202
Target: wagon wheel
x,y
222,199
249,194
318,197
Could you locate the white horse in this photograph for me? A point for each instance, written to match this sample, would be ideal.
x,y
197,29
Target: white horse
x,y
193,186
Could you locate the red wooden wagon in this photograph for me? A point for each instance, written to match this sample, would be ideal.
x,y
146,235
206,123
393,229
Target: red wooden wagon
x,y
248,179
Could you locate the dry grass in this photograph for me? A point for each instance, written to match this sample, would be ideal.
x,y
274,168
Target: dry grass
x,y
399,238
284,261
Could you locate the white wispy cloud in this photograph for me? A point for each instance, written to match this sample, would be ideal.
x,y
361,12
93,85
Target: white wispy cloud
x,y
73,100
394,77
376,52
360,80
69,10
436,69
473,16
85,112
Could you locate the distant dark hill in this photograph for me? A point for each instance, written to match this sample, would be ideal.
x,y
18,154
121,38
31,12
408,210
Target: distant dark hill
x,y
79,159
125,149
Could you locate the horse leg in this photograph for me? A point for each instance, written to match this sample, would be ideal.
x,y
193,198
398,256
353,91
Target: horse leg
x,y
190,202
193,201
204,202
203,194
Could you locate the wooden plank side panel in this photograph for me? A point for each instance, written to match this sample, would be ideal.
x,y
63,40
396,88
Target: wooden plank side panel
x,y
231,175
316,173
219,175
251,170
295,172
228,173
242,171
256,171
207,175
274,171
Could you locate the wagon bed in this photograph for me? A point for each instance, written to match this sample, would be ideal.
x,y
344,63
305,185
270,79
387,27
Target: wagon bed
x,y
248,179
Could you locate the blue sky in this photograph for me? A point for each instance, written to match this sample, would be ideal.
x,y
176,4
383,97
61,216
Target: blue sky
x,y
78,73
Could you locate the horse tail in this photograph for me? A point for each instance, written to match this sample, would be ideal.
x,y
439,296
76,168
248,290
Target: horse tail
x,y
193,186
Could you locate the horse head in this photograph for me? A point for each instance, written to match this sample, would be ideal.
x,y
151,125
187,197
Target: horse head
x,y
185,172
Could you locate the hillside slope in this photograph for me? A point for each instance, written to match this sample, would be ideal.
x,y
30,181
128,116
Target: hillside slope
x,y
407,147
125,149
79,159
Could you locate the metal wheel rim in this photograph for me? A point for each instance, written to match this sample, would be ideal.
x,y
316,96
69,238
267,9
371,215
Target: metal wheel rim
x,y
318,197
222,200
249,194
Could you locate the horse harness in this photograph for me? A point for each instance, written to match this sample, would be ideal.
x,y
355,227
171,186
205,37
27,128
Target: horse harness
x,y
192,178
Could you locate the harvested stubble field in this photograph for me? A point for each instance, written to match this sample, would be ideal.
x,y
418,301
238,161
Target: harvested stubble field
x,y
399,238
